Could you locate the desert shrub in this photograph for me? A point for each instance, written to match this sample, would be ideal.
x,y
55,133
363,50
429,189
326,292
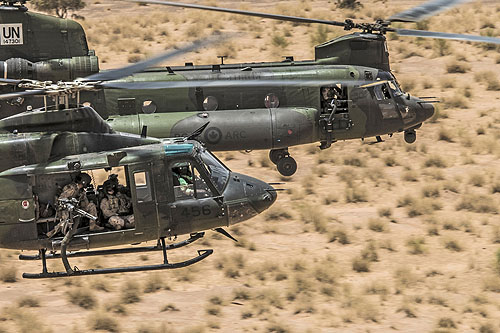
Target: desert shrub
x,y
29,301
82,297
350,4
104,322
377,225
457,67
360,265
354,194
446,323
435,161
478,203
278,213
131,292
416,245
8,274
339,235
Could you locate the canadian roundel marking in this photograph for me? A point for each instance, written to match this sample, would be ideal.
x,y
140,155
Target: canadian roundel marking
x,y
25,204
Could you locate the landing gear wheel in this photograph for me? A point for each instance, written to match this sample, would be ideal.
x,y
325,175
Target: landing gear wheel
x,y
275,155
287,166
410,136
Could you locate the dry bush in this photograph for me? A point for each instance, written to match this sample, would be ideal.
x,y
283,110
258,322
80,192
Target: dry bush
x,y
82,297
314,215
278,213
416,245
8,274
153,283
405,278
131,292
407,309
457,67
447,83
117,308
410,176
376,288
103,321
445,134
435,161
489,78
360,265
477,179
431,191
340,235
446,322
377,225
231,264
355,161
478,203
384,212
424,206
29,302
457,101
355,194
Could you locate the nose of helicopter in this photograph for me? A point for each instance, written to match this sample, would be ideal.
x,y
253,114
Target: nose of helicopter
x,y
246,197
427,111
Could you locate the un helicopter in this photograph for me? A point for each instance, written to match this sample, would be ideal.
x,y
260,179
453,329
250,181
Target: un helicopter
x,y
47,148
278,105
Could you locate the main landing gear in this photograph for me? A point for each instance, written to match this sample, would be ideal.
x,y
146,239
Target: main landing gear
x,y
284,162
161,246
410,136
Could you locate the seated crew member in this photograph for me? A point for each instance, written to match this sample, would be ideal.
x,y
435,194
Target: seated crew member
x,y
76,190
183,180
116,207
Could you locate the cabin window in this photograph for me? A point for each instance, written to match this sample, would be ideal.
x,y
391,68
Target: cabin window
x,y
188,182
149,107
142,186
210,103
271,101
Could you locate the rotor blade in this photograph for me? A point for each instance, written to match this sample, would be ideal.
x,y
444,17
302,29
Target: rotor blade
x,y
242,12
142,85
446,35
119,73
10,82
425,10
22,94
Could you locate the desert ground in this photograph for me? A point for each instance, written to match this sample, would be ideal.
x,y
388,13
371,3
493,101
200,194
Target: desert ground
x,y
366,238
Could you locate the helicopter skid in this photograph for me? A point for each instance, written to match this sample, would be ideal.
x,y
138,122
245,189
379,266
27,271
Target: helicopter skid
x,y
202,254
158,247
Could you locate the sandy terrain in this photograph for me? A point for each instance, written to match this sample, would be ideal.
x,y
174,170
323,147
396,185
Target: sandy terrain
x,y
368,237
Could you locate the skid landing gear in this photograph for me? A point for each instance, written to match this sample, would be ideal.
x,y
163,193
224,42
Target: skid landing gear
x,y
284,162
161,246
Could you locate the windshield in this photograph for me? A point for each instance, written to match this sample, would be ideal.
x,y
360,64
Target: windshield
x,y
218,172
396,91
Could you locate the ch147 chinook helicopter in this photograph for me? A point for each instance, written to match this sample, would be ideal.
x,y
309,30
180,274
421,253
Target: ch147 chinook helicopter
x,y
347,92
47,148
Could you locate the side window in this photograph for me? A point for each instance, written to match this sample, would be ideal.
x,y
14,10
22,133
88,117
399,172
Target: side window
x,y
188,182
142,186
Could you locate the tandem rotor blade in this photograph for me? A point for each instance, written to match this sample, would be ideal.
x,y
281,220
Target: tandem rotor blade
x,y
40,92
243,12
12,82
446,35
140,85
119,73
425,10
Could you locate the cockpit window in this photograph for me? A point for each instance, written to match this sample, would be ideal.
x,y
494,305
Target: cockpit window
x,y
395,88
218,172
188,182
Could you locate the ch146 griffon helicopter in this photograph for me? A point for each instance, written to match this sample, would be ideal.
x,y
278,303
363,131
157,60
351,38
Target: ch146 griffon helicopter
x,y
278,105
45,149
